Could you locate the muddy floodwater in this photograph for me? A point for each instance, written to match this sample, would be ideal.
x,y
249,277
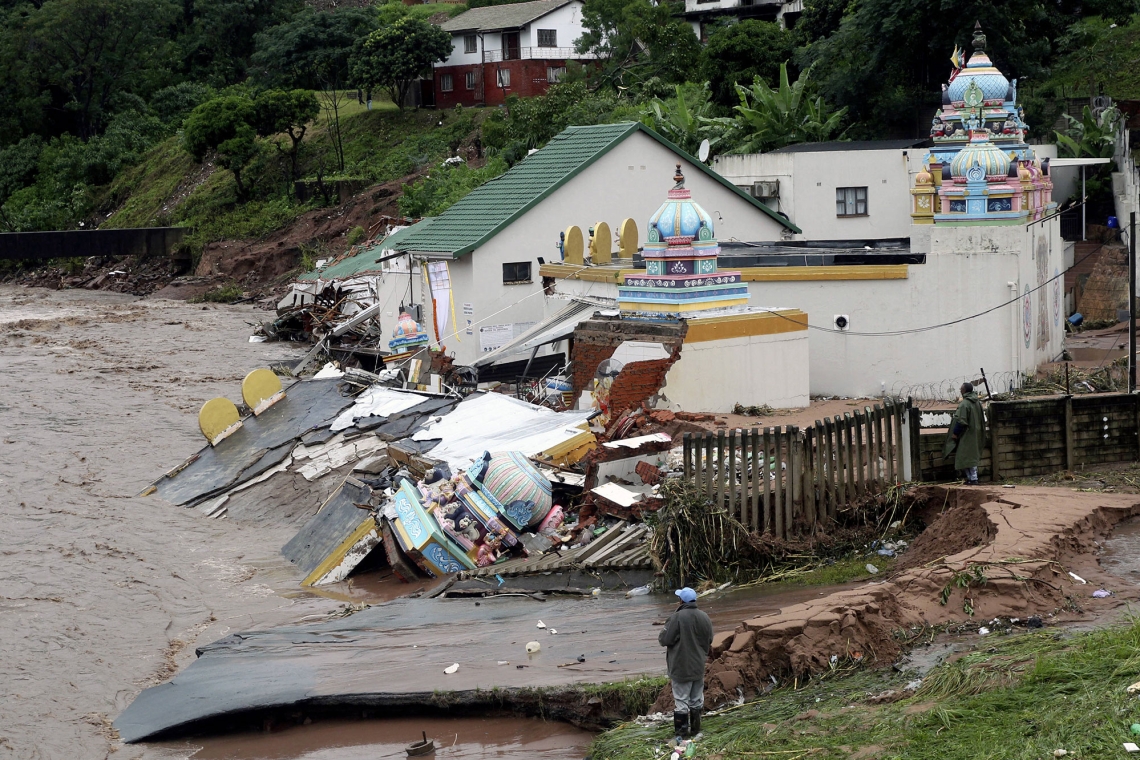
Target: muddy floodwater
x,y
455,738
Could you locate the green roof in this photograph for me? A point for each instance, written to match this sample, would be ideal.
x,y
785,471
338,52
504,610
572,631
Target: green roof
x,y
490,208
367,258
491,18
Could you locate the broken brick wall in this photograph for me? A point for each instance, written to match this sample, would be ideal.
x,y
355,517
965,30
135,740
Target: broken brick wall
x,y
638,381
595,340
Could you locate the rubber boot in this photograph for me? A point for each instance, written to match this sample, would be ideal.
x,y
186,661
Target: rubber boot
x,y
694,722
681,724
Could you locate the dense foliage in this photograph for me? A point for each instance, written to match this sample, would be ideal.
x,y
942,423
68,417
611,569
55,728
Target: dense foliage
x,y
108,108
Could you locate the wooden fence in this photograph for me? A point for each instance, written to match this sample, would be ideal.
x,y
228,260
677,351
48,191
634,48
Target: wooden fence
x,y
1040,436
784,480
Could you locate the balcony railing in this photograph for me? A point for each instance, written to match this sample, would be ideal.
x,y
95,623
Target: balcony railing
x,y
529,53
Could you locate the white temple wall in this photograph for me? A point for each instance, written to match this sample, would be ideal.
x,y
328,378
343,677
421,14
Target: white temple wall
x,y
713,376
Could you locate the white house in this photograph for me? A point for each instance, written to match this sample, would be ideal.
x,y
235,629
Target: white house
x,y
475,268
701,14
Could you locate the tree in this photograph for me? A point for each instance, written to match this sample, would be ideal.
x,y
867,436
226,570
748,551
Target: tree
x,y
1090,136
223,125
394,56
312,51
219,37
89,52
280,112
1100,56
771,119
635,40
687,119
739,53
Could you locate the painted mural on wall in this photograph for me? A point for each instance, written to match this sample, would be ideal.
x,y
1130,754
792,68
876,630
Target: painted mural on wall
x,y
1043,321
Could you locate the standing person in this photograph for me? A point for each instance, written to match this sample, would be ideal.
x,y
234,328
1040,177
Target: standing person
x,y
967,436
688,634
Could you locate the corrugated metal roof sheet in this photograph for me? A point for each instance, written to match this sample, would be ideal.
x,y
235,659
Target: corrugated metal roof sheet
x,y
486,210
493,17
546,331
367,259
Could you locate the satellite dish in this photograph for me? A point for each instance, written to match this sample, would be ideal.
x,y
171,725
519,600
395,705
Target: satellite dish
x,y
703,151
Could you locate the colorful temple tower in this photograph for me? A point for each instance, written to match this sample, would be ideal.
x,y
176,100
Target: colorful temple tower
x,y
681,273
980,170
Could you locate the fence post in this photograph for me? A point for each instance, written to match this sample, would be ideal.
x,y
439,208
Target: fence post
x,y
767,475
842,455
880,454
730,480
831,457
720,469
810,460
778,481
899,448
795,477
754,475
889,438
686,453
1068,433
745,479
872,448
915,445
708,447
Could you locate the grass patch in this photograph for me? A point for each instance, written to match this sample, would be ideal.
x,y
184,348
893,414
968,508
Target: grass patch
x,y
1123,478
227,293
1018,697
629,697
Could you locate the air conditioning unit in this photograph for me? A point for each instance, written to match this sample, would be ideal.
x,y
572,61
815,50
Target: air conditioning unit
x,y
769,188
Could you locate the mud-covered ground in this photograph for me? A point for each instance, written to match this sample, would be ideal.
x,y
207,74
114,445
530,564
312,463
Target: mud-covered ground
x,y
103,593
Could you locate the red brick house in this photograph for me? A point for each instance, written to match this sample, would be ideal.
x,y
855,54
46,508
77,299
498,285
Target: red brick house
x,y
500,50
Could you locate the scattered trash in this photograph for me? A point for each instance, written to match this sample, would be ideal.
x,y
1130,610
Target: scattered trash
x,y
1009,486
872,569
1130,747
983,631
451,668
1135,728
1059,753
595,592
1134,688
886,552
639,591
1101,593
1034,622
540,624
532,647
504,662
721,587
834,659
1076,577
914,685
895,525
553,632
582,658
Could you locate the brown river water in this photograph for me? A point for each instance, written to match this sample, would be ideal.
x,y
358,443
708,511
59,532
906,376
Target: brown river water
x,y
104,593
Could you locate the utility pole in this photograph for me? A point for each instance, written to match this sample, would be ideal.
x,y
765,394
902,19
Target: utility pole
x,y
1132,302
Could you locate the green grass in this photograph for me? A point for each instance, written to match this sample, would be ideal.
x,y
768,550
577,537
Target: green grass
x,y
227,293
1018,697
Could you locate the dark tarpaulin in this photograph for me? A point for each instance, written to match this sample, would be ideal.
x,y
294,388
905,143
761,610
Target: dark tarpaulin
x,y
328,529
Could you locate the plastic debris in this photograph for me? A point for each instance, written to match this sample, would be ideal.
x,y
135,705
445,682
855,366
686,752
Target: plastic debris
x,y
983,631
1076,577
1134,688
872,569
553,632
1135,728
895,525
639,591
595,592
884,552
1101,593
1059,753
1130,747
532,647
834,659
451,668
504,662
540,624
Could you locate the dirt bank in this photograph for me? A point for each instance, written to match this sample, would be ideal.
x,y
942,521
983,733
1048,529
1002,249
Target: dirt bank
x,y
104,593
988,552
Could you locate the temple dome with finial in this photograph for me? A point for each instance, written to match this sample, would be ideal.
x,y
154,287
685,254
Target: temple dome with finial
x,y
980,152
680,216
981,71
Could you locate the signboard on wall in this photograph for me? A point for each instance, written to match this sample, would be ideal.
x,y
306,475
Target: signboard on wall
x,y
492,337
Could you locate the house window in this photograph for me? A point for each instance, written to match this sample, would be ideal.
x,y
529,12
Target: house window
x,y
548,38
470,43
850,201
516,272
470,78
504,78
445,84
555,73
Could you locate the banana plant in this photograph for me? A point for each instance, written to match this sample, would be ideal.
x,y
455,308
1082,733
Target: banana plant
x,y
1093,136
772,118
686,119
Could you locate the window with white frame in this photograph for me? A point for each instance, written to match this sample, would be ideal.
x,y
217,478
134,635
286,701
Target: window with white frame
x,y
470,43
850,201
445,83
470,80
504,78
555,73
548,38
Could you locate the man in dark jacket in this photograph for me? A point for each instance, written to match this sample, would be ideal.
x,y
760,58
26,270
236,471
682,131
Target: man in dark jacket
x,y
967,436
688,634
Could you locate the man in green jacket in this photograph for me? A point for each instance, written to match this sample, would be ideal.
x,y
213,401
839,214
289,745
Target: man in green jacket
x,y
967,436
688,633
